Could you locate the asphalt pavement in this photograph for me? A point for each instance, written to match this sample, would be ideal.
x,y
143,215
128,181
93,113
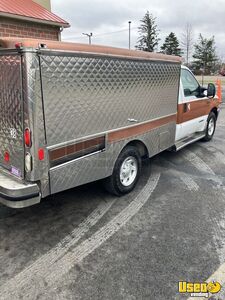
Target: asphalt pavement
x,y
87,244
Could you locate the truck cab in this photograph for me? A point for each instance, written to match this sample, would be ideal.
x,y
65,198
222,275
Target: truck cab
x,y
198,109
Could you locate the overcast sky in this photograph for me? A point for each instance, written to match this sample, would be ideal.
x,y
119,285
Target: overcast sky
x,y
105,18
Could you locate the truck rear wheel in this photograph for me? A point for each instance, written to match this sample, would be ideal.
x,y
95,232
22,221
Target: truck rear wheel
x,y
211,127
126,172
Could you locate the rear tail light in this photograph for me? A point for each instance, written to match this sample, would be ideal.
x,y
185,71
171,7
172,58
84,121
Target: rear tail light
x,y
28,162
18,45
27,137
6,157
41,154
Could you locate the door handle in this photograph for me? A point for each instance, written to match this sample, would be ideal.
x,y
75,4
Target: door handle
x,y
187,107
132,120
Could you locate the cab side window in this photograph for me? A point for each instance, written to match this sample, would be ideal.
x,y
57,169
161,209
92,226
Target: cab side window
x,y
190,84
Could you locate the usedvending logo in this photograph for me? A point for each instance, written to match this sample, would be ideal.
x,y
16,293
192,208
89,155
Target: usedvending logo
x,y
198,289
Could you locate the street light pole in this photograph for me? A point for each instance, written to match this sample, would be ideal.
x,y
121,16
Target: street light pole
x,y
129,33
89,35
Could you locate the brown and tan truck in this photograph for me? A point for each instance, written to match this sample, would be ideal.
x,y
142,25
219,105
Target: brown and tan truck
x,y
72,113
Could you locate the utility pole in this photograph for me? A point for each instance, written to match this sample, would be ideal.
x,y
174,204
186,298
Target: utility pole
x,y
129,32
89,35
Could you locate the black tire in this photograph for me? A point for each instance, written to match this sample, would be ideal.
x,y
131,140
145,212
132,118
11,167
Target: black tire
x,y
208,134
113,184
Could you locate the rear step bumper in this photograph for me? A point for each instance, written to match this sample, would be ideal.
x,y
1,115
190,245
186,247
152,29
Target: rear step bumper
x,y
16,194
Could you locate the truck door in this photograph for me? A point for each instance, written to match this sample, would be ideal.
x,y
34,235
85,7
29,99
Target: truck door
x,y
190,106
11,115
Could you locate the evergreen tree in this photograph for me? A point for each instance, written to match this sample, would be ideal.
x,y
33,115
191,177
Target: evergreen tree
x,y
148,40
171,45
205,54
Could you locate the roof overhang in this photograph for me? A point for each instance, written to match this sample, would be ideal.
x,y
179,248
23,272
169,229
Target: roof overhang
x,y
34,20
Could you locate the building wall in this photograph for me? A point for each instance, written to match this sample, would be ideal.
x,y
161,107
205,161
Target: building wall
x,y
18,28
45,3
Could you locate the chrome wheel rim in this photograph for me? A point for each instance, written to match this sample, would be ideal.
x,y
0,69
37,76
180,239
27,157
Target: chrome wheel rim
x,y
128,171
211,127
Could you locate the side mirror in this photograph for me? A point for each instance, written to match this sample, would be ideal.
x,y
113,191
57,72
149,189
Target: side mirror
x,y
211,90
187,92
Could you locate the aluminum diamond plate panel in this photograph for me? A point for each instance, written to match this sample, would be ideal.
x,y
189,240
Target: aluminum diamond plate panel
x,y
86,94
101,164
11,114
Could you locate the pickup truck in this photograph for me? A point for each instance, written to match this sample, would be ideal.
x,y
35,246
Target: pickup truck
x,y
72,113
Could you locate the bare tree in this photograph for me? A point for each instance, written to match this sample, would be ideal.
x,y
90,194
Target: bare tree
x,y
187,42
220,66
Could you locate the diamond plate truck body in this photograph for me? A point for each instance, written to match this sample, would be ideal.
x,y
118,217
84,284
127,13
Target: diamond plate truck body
x,y
68,110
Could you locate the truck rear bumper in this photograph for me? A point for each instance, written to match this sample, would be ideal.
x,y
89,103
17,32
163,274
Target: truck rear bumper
x,y
17,194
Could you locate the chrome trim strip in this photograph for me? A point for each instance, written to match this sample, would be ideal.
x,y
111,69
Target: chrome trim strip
x,y
189,142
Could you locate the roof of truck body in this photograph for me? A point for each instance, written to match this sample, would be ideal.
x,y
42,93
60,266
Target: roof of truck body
x,y
9,43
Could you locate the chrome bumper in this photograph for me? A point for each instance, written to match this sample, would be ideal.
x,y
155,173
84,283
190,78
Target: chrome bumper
x,y
16,194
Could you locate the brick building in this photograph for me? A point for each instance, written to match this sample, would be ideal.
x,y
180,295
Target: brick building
x,y
27,18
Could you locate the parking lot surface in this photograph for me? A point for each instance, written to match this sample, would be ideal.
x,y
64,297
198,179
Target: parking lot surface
x,y
87,244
